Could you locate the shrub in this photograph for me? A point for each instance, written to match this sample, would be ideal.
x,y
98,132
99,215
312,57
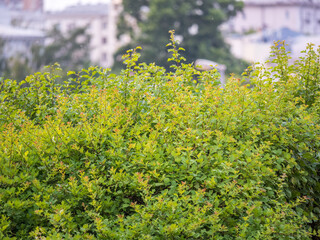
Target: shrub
x,y
149,154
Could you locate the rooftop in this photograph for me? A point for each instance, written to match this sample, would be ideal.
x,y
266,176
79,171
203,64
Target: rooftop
x,y
82,10
9,32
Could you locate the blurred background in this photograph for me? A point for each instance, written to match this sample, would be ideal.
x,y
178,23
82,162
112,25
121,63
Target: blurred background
x,y
78,34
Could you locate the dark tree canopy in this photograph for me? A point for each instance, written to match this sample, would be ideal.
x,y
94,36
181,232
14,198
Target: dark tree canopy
x,y
196,23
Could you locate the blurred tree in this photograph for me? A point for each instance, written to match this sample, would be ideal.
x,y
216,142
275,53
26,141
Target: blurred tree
x,y
17,67
70,50
196,23
3,61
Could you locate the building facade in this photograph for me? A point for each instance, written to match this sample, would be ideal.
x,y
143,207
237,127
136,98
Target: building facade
x,y
25,5
302,16
20,26
100,23
26,14
33,5
19,40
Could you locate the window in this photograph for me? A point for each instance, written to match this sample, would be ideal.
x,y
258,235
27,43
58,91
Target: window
x,y
307,16
104,25
287,14
104,57
104,40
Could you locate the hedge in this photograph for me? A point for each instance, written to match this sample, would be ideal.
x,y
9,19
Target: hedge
x,y
151,154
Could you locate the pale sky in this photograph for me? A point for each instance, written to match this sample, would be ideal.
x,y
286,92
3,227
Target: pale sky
x,y
55,5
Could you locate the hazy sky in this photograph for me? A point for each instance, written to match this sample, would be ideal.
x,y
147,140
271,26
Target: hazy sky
x,y
54,5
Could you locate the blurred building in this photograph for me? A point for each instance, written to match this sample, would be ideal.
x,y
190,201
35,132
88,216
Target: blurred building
x,y
11,4
19,40
21,22
302,16
33,5
256,47
26,5
100,22
22,13
252,32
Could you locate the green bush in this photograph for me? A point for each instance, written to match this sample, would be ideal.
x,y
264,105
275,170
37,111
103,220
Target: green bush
x,y
149,154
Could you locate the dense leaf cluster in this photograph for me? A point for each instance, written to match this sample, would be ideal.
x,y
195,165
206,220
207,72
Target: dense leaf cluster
x,y
149,154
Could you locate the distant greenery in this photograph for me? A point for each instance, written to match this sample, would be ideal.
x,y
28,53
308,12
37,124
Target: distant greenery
x,y
196,24
152,154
